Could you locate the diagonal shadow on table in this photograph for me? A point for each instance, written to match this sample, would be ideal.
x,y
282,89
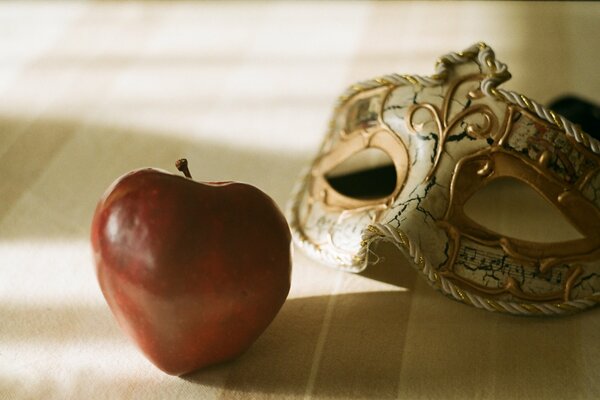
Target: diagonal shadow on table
x,y
54,171
370,352
413,343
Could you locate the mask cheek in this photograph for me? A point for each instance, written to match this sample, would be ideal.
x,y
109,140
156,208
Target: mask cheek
x,y
515,262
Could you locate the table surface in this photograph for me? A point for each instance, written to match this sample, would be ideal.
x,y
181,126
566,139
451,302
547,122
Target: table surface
x,y
89,91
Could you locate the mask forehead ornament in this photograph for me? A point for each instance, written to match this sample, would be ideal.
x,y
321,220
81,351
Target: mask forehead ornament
x,y
422,147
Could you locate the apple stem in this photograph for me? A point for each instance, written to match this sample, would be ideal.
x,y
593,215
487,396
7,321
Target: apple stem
x,y
182,165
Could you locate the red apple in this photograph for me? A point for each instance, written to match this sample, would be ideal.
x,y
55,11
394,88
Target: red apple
x,y
193,272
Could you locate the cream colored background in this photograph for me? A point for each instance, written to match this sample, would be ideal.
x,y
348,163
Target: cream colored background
x,y
89,91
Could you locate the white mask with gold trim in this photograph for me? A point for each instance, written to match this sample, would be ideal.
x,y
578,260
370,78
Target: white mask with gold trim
x,y
405,155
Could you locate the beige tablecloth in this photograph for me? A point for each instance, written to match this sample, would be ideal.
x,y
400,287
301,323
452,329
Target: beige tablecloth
x,y
89,91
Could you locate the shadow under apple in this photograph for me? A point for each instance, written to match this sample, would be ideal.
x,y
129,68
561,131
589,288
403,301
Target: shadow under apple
x,y
368,348
409,343
356,351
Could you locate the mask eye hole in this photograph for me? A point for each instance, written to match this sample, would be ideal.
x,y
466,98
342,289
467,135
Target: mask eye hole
x,y
511,208
366,175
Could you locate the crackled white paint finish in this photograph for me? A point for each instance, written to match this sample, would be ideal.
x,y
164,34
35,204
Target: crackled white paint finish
x,y
436,141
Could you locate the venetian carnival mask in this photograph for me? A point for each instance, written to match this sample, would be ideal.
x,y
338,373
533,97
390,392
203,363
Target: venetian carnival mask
x,y
404,157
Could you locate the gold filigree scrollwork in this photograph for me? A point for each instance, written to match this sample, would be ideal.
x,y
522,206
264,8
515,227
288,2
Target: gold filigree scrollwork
x,y
512,269
532,167
445,124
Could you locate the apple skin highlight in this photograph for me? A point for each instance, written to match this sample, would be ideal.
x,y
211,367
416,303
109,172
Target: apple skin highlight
x,y
193,272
